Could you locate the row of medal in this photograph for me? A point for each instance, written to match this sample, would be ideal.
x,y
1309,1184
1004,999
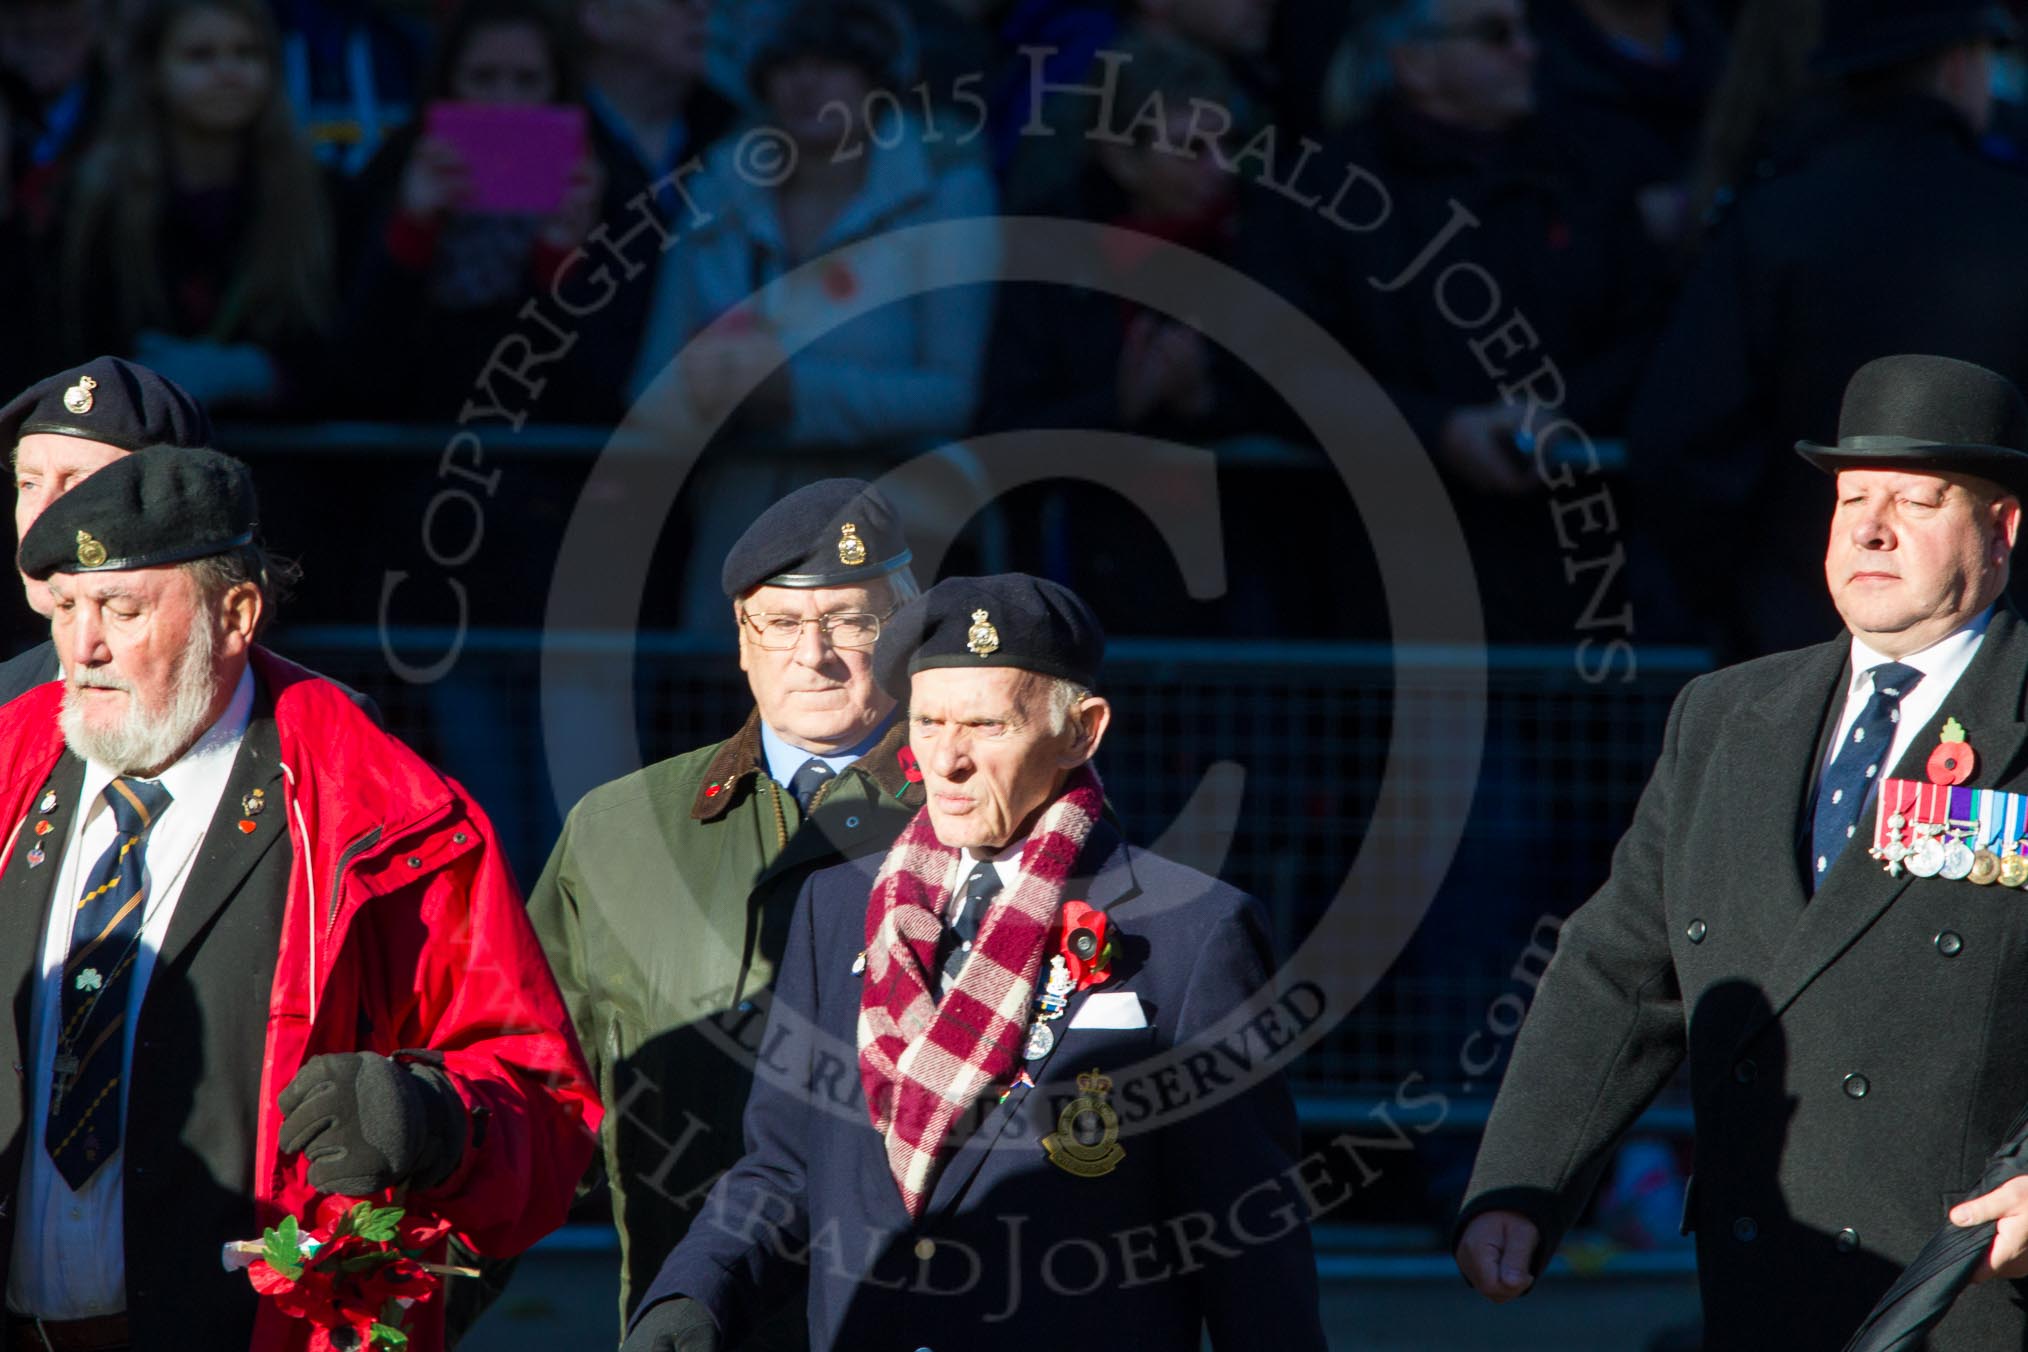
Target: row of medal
x,y
1050,1003
1946,831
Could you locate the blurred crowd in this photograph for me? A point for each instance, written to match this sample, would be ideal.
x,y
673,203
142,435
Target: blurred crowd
x,y
1608,258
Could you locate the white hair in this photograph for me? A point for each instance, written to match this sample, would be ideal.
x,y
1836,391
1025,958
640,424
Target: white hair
x,y
1064,699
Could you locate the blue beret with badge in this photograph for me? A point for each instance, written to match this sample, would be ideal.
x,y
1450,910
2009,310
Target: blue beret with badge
x,y
109,400
832,533
1007,620
173,504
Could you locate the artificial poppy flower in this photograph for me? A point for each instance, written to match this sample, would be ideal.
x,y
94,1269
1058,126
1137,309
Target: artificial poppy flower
x,y
1082,937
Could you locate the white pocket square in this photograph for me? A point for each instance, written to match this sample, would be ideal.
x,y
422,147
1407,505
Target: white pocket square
x,y
1110,1009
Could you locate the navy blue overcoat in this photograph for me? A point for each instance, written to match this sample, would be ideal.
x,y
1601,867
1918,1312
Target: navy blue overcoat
x,y
1201,1224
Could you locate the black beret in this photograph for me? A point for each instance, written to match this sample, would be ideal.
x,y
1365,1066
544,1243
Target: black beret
x,y
110,400
1008,620
1930,414
172,504
833,533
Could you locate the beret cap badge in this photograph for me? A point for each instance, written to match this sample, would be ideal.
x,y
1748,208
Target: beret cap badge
x,y
78,398
982,638
851,549
90,553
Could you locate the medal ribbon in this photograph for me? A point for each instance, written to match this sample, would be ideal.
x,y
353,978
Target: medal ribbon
x,y
1987,808
1896,799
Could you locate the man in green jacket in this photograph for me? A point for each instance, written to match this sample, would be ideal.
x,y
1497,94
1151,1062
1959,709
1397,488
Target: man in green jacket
x,y
665,904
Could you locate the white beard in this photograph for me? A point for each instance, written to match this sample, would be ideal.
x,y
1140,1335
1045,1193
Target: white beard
x,y
146,739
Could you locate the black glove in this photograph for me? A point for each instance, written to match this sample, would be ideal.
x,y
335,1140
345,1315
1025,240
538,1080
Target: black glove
x,y
366,1123
679,1325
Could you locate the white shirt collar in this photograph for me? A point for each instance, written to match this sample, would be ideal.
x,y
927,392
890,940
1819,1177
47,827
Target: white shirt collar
x,y
1007,863
1948,654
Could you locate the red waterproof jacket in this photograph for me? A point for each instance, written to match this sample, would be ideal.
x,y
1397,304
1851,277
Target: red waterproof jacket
x,y
402,920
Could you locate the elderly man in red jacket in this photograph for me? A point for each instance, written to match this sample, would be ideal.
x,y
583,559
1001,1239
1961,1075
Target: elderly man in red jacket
x,y
259,952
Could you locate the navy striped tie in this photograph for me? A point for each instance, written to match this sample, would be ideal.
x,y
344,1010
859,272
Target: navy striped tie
x,y
84,1101
1861,760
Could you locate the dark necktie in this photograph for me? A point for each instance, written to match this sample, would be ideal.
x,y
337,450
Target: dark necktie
x,y
1861,760
813,776
84,1103
980,889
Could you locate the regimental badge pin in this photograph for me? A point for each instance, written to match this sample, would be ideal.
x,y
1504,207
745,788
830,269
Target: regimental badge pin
x,y
90,552
982,638
859,963
255,803
1086,1141
36,857
48,803
851,549
78,398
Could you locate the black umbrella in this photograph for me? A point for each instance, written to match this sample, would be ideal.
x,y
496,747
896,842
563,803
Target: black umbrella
x,y
1922,1294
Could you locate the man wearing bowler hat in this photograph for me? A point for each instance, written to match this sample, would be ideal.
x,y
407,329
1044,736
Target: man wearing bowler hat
x,y
59,431
970,1123
1817,908
665,903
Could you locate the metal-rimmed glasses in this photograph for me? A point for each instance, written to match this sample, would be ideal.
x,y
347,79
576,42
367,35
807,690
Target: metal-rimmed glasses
x,y
841,629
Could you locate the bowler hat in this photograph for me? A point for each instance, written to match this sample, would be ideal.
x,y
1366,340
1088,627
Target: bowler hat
x,y
1860,36
1930,413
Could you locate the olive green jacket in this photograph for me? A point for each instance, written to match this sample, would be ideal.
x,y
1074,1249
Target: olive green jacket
x,y
663,911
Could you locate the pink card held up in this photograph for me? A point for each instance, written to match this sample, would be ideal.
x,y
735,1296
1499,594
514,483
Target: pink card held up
x,y
521,156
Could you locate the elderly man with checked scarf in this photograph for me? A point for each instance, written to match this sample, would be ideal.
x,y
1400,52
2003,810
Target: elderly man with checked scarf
x,y
968,1118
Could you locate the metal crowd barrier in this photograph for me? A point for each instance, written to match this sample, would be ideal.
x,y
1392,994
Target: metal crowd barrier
x,y
1564,762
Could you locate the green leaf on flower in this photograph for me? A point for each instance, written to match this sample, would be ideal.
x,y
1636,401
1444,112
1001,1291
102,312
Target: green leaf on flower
x,y
376,1225
387,1338
1953,731
281,1248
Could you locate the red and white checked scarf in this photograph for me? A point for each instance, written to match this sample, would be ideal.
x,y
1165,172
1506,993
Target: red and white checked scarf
x,y
924,1062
